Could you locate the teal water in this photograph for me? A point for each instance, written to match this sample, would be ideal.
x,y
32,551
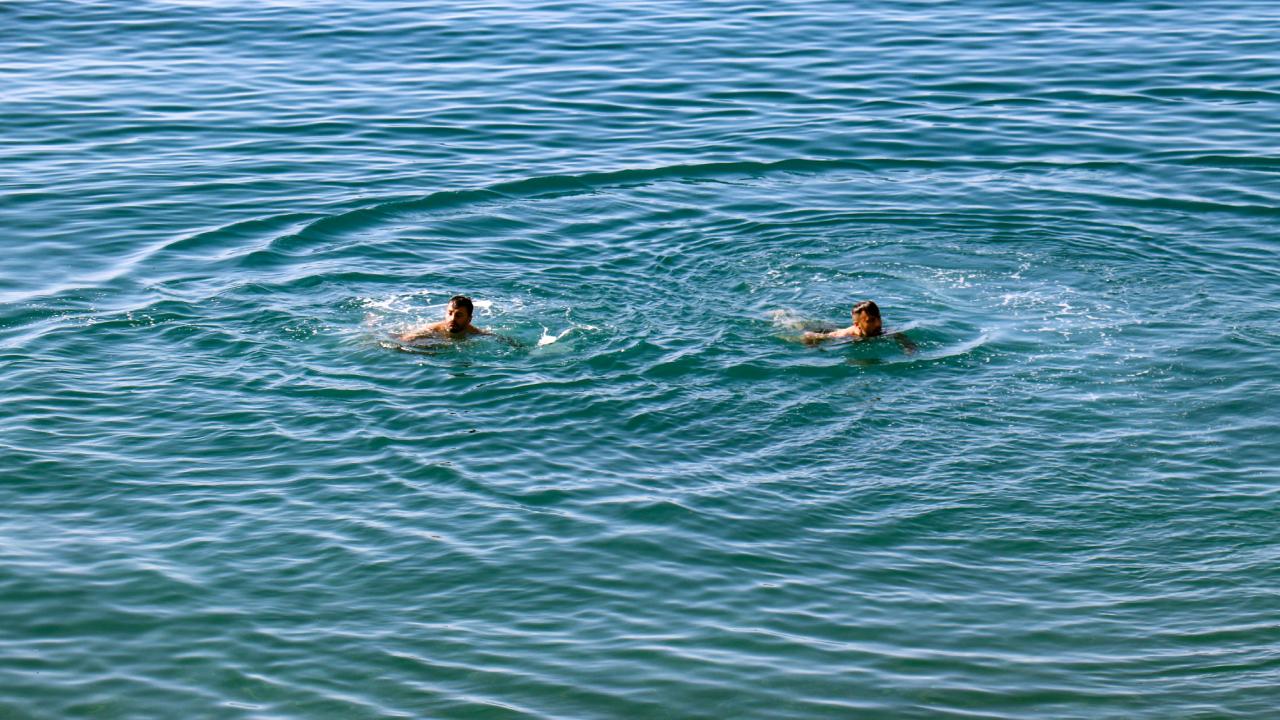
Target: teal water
x,y
224,493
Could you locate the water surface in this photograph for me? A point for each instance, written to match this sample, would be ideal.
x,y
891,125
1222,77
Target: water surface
x,y
225,493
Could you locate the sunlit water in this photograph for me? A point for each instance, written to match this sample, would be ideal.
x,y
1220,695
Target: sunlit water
x,y
228,492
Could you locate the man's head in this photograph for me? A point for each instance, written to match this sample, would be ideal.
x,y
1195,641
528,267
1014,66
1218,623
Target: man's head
x,y
457,314
866,316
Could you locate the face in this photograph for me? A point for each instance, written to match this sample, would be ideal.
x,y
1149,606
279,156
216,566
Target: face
x,y
456,318
866,324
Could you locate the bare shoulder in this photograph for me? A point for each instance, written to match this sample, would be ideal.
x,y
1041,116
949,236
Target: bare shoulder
x,y
420,332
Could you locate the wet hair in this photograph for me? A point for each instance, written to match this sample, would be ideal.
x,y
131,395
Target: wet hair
x,y
463,302
869,307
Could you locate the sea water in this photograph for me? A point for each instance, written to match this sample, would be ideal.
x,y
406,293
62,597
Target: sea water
x,y
227,490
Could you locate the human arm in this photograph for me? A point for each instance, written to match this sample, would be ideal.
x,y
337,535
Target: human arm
x,y
813,338
473,330
905,343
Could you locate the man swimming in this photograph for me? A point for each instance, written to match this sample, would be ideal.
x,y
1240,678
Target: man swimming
x,y
866,324
456,323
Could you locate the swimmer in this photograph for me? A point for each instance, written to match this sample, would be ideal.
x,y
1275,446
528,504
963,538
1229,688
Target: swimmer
x,y
456,323
866,324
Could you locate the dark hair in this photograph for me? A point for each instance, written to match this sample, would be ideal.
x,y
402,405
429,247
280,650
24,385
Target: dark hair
x,y
869,307
463,302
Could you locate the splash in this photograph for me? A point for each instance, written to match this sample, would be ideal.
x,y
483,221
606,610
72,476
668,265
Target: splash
x,y
549,339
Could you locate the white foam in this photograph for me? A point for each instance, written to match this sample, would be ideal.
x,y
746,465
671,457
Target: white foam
x,y
548,339
413,306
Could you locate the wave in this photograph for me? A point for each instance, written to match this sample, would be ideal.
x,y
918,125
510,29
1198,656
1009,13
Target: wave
x,y
258,240
304,226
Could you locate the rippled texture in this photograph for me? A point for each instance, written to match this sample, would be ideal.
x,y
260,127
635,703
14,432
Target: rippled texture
x,y
227,493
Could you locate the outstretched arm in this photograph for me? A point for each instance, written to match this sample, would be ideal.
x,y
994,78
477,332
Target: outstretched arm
x,y
812,338
496,336
507,340
905,343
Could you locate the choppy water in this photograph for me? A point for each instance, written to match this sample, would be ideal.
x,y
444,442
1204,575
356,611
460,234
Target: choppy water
x,y
226,494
